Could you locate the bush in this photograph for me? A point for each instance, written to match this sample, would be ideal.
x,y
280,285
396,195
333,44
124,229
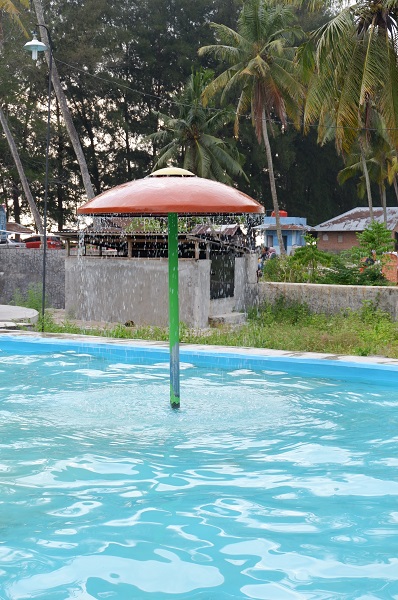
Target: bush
x,y
31,299
310,265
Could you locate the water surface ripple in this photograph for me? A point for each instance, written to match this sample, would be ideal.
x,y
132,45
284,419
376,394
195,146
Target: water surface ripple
x,y
263,485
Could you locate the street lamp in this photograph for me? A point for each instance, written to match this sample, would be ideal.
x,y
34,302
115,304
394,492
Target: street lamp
x,y
35,46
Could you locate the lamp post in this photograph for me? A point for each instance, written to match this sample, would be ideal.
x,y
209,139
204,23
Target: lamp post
x,y
35,46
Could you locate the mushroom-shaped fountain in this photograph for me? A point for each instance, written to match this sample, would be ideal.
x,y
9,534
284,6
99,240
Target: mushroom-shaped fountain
x,y
172,192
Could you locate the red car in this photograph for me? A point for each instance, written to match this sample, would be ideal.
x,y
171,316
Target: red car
x,y
35,241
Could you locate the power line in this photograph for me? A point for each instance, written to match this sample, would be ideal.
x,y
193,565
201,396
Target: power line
x,y
121,85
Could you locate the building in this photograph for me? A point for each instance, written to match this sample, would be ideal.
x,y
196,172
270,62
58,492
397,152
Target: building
x,y
293,231
340,233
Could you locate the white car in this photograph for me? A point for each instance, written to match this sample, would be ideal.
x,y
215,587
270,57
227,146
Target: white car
x,y
9,243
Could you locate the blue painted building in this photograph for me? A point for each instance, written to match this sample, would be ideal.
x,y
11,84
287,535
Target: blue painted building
x,y
293,231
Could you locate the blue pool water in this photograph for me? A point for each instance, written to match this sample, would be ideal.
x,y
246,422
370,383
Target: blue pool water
x,y
269,482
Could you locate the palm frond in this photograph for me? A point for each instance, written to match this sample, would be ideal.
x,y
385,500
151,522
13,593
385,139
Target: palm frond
x,y
229,54
349,172
388,101
227,35
166,154
217,85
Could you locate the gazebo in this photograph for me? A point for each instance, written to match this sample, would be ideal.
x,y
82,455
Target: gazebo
x,y
171,192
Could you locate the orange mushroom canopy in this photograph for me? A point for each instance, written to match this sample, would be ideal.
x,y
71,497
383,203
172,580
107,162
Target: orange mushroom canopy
x,y
171,191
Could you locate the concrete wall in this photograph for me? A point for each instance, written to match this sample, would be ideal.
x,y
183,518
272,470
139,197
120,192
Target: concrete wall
x,y
122,289
125,289
21,268
331,299
128,289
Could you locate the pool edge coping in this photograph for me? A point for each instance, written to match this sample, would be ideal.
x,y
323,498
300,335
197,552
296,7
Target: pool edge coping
x,y
375,361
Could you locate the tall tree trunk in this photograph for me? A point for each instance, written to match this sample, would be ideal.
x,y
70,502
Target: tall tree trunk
x,y
395,186
383,202
15,201
60,170
21,172
367,180
74,138
80,109
272,184
127,133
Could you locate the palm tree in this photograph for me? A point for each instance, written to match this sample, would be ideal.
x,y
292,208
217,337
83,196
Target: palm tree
x,y
354,72
21,173
190,139
262,70
381,164
11,9
70,127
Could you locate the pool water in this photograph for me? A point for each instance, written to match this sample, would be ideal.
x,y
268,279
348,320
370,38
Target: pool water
x,y
264,484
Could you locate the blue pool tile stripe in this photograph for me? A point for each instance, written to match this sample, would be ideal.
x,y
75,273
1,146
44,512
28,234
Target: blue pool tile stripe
x,y
209,358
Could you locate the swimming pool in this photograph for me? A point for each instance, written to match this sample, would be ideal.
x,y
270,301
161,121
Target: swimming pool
x,y
276,479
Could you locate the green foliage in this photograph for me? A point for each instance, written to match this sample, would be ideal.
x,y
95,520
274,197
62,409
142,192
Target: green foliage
x,y
307,265
310,265
147,224
281,311
283,269
347,270
311,258
282,325
353,72
191,138
375,238
122,63
31,299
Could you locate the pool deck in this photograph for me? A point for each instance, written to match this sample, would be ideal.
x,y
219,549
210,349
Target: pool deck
x,y
12,316
204,348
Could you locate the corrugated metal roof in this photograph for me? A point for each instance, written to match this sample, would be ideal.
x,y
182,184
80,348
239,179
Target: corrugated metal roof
x,y
358,219
227,230
17,228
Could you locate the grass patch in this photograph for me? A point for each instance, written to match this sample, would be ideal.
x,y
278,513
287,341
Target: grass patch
x,y
281,326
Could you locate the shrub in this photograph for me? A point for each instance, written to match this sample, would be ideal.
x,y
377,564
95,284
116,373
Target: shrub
x,y
31,299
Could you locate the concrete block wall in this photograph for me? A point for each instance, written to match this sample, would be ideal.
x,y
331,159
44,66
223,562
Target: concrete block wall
x,y
331,299
21,268
126,289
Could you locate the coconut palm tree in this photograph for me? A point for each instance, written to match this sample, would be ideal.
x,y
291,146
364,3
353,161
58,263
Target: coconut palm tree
x,y
262,71
190,139
12,10
381,164
355,72
70,127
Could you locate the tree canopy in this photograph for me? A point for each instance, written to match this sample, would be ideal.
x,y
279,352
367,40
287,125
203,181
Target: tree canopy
x,y
124,64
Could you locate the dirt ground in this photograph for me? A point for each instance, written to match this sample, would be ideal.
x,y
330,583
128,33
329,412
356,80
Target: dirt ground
x,y
59,315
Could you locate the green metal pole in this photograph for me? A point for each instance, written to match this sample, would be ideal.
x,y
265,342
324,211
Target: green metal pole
x,y
174,320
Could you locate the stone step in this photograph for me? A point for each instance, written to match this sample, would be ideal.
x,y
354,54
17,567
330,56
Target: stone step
x,y
8,325
233,318
16,325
